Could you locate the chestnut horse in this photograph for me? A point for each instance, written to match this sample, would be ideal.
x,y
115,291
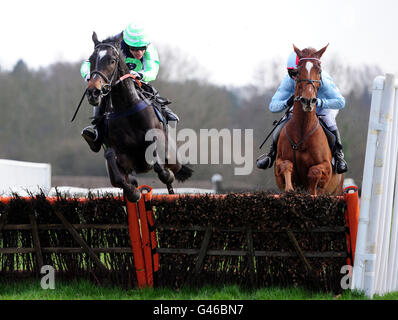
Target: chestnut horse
x,y
304,157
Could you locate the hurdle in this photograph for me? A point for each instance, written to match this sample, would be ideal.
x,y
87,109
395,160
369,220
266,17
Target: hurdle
x,y
242,255
146,250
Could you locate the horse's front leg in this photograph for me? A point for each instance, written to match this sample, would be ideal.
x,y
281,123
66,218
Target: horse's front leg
x,y
133,179
117,179
318,178
283,174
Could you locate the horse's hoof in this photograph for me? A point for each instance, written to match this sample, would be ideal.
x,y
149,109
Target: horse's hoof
x,y
133,195
133,181
166,176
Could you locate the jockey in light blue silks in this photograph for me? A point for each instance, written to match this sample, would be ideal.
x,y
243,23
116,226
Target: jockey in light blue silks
x,y
329,101
142,59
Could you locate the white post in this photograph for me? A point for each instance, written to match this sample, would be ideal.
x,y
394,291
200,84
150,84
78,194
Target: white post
x,y
373,131
392,284
378,190
384,230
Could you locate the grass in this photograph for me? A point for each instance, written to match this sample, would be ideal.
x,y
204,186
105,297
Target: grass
x,y
86,290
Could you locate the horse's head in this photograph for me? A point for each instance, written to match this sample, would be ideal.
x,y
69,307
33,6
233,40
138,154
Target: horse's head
x,y
308,77
104,64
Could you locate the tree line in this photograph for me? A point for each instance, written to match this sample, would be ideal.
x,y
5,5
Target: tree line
x,y
37,106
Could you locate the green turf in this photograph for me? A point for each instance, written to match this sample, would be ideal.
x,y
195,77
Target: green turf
x,y
85,290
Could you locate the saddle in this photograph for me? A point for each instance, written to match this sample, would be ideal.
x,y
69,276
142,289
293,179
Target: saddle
x,y
329,135
148,92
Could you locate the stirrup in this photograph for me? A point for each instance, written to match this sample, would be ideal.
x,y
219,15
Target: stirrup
x,y
162,101
170,115
91,132
266,162
91,137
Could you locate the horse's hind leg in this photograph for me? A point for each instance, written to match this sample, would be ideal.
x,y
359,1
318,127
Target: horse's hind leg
x,y
165,175
117,180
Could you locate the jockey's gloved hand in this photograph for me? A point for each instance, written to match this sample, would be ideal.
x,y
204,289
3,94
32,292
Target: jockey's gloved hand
x,y
290,101
136,74
131,66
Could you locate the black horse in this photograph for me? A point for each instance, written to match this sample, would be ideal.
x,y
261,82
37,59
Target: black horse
x,y
126,120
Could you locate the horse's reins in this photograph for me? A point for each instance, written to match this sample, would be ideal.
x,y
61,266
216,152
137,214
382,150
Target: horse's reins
x,y
106,89
296,146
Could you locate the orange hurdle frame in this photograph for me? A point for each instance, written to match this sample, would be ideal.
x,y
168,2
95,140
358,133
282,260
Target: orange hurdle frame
x,y
352,218
143,238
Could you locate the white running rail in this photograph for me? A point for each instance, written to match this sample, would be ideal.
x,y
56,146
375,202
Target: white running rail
x,y
376,256
22,177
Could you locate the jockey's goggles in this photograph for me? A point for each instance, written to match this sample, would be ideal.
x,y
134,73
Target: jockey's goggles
x,y
138,48
292,72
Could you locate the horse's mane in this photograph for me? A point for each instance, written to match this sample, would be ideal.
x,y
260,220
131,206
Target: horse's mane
x,y
112,39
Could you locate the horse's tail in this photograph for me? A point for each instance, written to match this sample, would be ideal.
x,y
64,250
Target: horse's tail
x,y
184,173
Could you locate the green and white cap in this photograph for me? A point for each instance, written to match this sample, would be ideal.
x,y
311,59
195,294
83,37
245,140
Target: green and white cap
x,y
135,36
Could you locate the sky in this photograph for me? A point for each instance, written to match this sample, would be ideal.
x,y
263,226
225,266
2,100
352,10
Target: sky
x,y
231,39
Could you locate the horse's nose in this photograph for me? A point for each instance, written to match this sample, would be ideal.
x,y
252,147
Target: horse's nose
x,y
308,104
94,96
94,93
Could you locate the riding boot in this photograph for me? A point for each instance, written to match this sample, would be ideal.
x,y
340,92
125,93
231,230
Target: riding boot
x,y
168,114
153,94
268,160
341,164
91,133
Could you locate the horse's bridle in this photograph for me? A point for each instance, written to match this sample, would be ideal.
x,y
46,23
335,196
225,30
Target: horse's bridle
x,y
308,81
106,88
109,83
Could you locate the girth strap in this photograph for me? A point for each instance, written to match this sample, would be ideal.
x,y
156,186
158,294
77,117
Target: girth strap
x,y
122,114
126,113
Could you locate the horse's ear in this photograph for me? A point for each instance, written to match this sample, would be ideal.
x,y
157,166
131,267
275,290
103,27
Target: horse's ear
x,y
319,53
119,38
95,38
298,51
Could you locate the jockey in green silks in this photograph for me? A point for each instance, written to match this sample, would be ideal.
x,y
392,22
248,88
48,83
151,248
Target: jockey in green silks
x,y
142,58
